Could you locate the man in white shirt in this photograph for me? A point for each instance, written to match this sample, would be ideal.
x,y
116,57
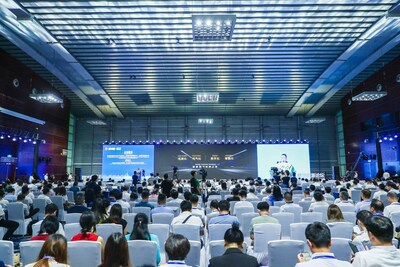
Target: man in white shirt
x,y
319,240
174,197
125,194
118,197
382,252
51,210
45,195
391,187
362,233
394,204
366,199
381,191
344,200
194,199
186,217
319,201
243,202
287,197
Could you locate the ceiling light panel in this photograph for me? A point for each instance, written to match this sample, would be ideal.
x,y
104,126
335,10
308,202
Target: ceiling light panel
x,y
213,27
369,96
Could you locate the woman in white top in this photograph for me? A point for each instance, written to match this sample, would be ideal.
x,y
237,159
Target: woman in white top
x,y
53,253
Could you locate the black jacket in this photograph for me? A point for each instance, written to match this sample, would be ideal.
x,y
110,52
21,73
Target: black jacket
x,y
234,257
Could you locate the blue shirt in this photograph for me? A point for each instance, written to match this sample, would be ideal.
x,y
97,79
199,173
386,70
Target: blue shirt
x,y
162,209
144,204
224,219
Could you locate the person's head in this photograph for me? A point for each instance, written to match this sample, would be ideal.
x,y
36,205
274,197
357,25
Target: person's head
x,y
306,192
362,217
87,221
376,206
62,191
79,199
390,185
223,206
288,197
318,236
233,237
46,191
25,190
365,194
174,194
165,176
94,178
334,213
193,173
140,229
318,196
235,192
194,200
328,189
145,195
243,194
344,195
51,209
117,194
381,186
263,208
187,195
392,197
380,230
177,247
75,183
284,158
116,212
312,187
55,246
116,252
98,207
276,192
21,198
268,191
49,225
162,199
133,196
186,206
214,204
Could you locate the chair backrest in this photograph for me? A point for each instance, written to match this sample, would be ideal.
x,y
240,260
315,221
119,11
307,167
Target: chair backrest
x,y
279,203
324,211
161,231
355,195
241,210
291,249
39,203
346,208
35,228
191,232
305,205
285,219
395,217
365,207
232,206
71,229
217,231
70,196
84,253
142,252
298,231
193,257
145,210
384,199
7,251
163,218
72,217
15,211
211,215
341,229
263,233
106,229
274,209
296,212
311,217
350,217
216,248
245,224
340,247
29,251
212,197
130,219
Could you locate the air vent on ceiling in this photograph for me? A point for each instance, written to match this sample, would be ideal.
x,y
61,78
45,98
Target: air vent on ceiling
x,y
213,27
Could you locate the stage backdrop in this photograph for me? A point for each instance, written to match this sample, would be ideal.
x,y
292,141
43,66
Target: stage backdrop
x,y
298,156
220,161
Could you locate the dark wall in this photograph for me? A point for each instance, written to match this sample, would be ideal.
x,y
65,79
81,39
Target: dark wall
x,y
365,122
54,131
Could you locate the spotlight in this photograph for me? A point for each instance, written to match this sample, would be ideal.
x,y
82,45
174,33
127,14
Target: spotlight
x,y
34,142
385,138
2,137
380,140
14,139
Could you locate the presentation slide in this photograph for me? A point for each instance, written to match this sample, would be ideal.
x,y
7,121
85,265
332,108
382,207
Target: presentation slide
x,y
280,157
120,161
220,161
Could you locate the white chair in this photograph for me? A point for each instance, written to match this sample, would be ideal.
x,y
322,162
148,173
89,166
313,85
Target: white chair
x,y
41,205
193,257
298,231
7,251
130,219
384,200
217,231
279,203
163,218
242,210
283,253
346,208
191,232
311,217
142,252
84,253
162,232
285,219
340,247
350,217
296,212
365,207
106,229
212,197
324,211
29,251
59,201
36,228
72,229
355,195
263,233
211,215
341,229
216,248
70,196
16,213
3,231
245,224
145,210
395,217
305,205
274,209
232,206
72,217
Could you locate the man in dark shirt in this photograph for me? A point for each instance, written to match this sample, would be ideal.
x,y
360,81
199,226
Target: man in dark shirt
x,y
135,178
145,200
235,197
78,207
166,186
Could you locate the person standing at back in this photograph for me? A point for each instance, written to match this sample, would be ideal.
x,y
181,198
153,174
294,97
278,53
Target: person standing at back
x,y
166,186
194,184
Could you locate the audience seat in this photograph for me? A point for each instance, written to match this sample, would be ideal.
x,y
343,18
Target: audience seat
x,y
142,252
283,253
84,253
29,251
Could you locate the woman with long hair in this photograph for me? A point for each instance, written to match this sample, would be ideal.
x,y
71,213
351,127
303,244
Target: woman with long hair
x,y
335,214
116,217
87,222
276,195
53,253
116,252
48,227
99,211
140,231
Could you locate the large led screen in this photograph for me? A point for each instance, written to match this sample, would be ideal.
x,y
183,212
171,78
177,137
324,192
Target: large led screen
x,y
220,161
292,157
120,161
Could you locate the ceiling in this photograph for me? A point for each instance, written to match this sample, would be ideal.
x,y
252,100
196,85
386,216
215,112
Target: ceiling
x,y
128,58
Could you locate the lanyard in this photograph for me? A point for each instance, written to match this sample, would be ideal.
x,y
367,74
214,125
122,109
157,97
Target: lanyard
x,y
323,257
177,262
223,214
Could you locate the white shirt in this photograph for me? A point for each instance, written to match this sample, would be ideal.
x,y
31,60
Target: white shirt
x,y
288,205
379,193
199,212
394,207
194,220
123,204
323,260
318,204
379,256
243,203
48,200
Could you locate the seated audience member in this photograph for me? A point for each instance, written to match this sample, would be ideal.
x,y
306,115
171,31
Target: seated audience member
x,y
327,195
288,198
53,253
382,252
381,191
49,226
263,211
276,195
175,197
366,199
10,196
79,206
145,200
224,217
177,247
11,226
52,210
234,256
243,201
195,208
99,210
361,234
116,217
3,202
376,207
133,197
187,195
391,187
45,195
116,252
87,222
306,195
344,200
319,201
393,206
214,206
186,217
74,188
140,231
319,240
125,194
235,195
335,214
162,208
268,193
252,194
118,197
